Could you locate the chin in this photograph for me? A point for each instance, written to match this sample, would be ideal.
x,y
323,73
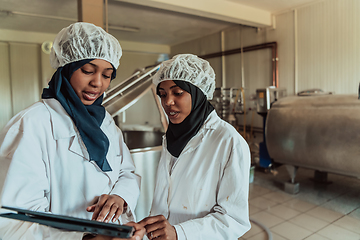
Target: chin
x,y
87,102
176,121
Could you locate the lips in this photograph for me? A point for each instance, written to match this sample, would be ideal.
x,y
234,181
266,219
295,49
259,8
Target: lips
x,y
90,96
172,114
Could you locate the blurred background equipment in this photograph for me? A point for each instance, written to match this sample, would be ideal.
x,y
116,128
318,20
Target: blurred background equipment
x,y
319,132
265,98
228,102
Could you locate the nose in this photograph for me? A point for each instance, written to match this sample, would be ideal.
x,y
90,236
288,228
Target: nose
x,y
169,100
96,81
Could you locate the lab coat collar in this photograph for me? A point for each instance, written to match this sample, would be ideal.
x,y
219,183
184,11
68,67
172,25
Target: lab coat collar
x,y
63,127
61,123
211,121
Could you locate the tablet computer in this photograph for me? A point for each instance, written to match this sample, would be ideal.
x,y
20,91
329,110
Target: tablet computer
x,y
70,223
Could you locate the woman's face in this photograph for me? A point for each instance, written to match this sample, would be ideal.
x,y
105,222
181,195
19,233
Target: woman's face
x,y
175,101
91,80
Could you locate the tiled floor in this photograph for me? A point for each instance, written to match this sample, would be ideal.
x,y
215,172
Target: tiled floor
x,y
317,212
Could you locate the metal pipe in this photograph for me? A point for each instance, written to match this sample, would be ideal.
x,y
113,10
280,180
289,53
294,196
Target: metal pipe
x,y
272,45
296,54
106,16
243,78
120,91
242,59
223,65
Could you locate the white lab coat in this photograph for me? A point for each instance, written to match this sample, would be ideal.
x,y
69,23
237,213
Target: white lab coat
x,y
50,170
206,194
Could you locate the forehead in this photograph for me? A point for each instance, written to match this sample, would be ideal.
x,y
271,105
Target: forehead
x,y
100,63
166,85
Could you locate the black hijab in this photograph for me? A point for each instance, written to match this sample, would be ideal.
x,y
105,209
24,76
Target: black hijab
x,y
178,135
87,118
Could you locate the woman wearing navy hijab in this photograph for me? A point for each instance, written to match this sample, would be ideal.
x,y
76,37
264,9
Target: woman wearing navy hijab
x,y
67,155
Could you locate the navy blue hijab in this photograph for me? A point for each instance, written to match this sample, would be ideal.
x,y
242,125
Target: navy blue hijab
x,y
87,118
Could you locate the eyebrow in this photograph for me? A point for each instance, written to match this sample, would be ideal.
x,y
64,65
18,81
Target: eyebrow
x,y
98,66
174,86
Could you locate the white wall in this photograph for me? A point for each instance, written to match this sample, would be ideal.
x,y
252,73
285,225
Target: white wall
x,y
21,77
5,89
284,36
319,46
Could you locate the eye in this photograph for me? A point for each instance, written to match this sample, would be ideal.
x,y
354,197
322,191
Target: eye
x,y
86,72
106,76
162,94
178,93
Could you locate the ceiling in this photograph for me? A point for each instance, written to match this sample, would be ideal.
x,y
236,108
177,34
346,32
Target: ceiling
x,y
273,6
154,25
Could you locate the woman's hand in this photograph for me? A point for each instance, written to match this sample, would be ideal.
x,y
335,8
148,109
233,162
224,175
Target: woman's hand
x,y
138,234
108,207
158,227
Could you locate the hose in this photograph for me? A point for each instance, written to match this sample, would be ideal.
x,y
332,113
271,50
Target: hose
x,y
243,94
252,124
267,230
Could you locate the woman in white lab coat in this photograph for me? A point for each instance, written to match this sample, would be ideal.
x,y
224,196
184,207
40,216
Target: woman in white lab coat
x,y
203,175
67,155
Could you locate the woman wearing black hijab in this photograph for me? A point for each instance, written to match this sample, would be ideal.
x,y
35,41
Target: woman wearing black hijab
x,y
67,155
203,175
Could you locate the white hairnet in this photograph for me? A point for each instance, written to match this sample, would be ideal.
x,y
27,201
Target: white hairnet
x,y
189,68
84,41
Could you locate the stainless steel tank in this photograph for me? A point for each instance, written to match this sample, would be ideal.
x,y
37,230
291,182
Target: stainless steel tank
x,y
316,132
145,148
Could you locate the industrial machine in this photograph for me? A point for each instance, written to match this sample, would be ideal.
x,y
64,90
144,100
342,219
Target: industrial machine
x,y
265,98
228,102
315,131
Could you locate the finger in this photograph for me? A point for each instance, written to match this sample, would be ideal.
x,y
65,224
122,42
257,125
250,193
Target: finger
x,y
117,214
139,230
105,211
99,206
143,221
155,227
111,212
139,234
150,220
155,234
90,208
